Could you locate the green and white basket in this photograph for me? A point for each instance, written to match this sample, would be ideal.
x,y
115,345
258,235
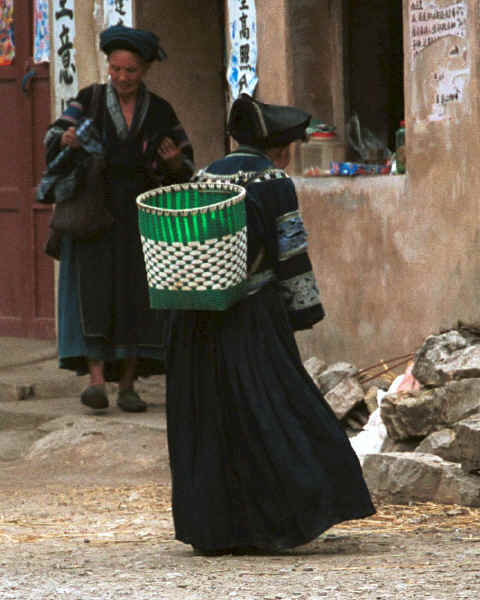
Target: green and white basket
x,y
194,239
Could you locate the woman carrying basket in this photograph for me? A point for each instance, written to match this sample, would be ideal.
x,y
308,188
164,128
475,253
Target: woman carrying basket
x,y
258,459
106,327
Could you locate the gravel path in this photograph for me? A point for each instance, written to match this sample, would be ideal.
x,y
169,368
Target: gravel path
x,y
102,543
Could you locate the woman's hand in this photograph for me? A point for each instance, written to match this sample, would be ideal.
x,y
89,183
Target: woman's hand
x,y
69,138
170,153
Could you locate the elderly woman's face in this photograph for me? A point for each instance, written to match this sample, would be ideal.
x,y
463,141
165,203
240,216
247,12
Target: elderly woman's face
x,y
126,70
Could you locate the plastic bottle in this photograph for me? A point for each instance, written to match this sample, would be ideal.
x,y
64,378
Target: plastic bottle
x,y
400,148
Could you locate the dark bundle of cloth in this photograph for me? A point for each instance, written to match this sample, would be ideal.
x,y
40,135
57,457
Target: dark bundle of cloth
x,y
63,172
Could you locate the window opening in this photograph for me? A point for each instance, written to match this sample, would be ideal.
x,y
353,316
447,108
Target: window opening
x,y
374,88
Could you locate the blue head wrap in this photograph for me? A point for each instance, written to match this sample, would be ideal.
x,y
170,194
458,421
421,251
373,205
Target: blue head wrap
x,y
144,43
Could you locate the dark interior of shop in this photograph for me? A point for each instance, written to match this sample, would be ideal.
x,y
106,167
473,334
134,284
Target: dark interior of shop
x,y
374,88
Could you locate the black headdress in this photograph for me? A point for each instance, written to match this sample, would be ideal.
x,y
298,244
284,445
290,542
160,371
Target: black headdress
x,y
268,125
144,43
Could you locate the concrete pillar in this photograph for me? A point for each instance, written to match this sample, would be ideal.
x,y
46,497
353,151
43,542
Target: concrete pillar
x,y
274,52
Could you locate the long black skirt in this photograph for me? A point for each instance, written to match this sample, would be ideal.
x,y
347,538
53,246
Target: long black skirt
x,y
257,456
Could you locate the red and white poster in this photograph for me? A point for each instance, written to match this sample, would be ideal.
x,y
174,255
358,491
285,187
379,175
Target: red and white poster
x,y
7,33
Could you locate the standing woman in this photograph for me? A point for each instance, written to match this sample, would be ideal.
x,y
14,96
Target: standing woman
x,y
105,325
258,458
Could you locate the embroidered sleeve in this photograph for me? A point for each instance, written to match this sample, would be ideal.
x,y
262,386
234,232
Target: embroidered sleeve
x,y
70,117
292,237
294,268
300,291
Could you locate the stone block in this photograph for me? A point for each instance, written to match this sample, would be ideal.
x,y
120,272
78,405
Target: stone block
x,y
371,399
467,434
315,367
334,374
345,396
460,399
390,445
410,414
417,414
446,357
401,477
442,443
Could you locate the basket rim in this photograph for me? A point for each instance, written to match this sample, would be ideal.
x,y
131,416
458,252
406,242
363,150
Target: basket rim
x,y
206,186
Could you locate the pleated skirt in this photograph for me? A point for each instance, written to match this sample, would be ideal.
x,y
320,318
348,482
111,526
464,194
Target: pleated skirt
x,y
257,456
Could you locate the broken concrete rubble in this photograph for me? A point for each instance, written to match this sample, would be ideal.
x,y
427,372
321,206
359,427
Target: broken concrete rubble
x,y
417,414
431,451
402,477
315,367
345,396
467,436
410,415
451,355
334,374
442,443
371,398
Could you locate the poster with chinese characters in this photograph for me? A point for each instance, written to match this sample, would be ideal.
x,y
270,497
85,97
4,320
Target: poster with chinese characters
x,y
438,57
65,70
430,22
242,69
118,12
7,39
41,34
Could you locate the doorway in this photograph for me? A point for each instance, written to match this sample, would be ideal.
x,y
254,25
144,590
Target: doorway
x,y
26,273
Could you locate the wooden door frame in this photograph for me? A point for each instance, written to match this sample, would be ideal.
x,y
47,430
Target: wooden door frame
x,y
26,322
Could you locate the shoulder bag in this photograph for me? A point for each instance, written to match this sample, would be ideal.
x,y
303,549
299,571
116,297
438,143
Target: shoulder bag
x,y
82,214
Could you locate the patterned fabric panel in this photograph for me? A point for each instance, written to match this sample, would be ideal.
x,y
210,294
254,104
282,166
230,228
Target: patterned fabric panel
x,y
301,291
241,177
141,109
213,265
292,237
73,112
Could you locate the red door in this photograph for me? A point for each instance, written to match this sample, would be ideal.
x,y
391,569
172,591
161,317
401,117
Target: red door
x,y
26,274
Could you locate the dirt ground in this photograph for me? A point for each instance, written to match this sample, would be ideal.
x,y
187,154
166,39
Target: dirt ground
x,y
69,531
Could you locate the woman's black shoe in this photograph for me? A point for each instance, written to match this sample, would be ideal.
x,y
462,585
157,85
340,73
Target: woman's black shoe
x,y
94,396
130,401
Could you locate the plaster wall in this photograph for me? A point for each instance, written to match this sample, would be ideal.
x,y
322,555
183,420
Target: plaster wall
x,y
91,62
396,257
192,79
274,57
313,79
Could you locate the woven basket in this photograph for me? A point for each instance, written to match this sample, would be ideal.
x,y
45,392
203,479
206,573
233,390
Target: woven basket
x,y
194,239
